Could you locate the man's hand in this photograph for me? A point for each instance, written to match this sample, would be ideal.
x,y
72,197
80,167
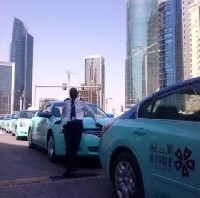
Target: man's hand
x,y
58,122
98,125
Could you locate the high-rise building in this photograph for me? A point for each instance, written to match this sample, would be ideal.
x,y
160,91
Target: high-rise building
x,y
194,39
186,37
7,70
21,54
170,42
154,51
95,76
141,50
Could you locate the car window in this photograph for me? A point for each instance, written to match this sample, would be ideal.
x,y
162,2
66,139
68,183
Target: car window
x,y
27,114
98,112
58,110
178,104
45,108
130,114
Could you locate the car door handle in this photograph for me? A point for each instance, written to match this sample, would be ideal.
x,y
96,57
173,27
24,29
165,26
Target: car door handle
x,y
139,131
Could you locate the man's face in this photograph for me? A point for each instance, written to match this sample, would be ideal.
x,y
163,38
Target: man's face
x,y
73,93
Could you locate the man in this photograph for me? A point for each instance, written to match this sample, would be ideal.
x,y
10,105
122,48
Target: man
x,y
74,112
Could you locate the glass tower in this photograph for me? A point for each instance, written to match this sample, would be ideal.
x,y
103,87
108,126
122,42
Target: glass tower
x,y
141,50
6,71
170,42
154,52
22,55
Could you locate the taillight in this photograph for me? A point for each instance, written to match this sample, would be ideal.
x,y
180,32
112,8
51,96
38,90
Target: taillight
x,y
107,126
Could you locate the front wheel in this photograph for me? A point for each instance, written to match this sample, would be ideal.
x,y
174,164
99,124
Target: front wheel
x,y
30,142
51,148
127,178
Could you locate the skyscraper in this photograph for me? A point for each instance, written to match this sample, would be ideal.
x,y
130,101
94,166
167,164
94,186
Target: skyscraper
x,y
154,51
186,37
141,40
22,55
194,39
170,42
95,76
7,70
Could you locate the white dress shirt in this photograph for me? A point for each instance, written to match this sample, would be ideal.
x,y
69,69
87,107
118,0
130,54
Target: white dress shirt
x,y
80,106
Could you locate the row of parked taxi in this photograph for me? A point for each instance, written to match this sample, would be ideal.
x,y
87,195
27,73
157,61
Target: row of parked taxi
x,y
17,124
152,150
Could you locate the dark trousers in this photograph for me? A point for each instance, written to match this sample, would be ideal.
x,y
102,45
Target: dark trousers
x,y
72,134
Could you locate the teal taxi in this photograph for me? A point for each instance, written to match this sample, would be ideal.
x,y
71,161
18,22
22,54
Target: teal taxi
x,y
5,123
45,130
22,123
10,123
153,150
1,121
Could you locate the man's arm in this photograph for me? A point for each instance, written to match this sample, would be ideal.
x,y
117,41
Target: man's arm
x,y
91,112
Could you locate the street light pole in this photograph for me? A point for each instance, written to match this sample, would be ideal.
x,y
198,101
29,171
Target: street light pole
x,y
146,83
35,96
107,103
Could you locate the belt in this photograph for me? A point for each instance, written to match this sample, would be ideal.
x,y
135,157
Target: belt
x,y
73,121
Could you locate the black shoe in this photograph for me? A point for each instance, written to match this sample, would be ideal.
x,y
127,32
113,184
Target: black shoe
x,y
69,174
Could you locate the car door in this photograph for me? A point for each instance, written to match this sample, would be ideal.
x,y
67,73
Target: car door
x,y
43,124
171,123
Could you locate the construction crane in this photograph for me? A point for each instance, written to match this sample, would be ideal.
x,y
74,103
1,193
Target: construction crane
x,y
68,74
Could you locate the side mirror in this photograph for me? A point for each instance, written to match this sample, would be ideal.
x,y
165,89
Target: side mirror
x,y
110,115
44,114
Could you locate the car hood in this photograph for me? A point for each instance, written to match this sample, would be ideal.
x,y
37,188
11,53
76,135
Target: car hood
x,y
89,123
24,120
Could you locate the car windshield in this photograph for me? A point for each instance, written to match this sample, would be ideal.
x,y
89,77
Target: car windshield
x,y
98,112
13,115
27,114
59,110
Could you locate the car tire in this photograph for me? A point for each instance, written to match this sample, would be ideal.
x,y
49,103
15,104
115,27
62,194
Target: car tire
x,y
12,134
16,136
127,178
30,142
51,149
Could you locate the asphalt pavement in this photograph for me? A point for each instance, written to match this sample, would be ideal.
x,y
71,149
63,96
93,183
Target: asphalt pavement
x,y
26,173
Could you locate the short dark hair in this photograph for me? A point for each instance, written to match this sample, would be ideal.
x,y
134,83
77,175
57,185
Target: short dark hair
x,y
73,89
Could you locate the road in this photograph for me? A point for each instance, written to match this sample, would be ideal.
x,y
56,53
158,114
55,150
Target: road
x,y
28,173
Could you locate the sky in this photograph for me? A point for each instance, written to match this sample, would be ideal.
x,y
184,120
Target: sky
x,y
65,32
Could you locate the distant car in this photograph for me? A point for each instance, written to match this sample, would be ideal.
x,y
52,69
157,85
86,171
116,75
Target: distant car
x,y
45,131
153,150
9,123
22,123
13,121
6,123
1,121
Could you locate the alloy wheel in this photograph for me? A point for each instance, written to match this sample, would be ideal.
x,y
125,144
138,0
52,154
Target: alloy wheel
x,y
124,179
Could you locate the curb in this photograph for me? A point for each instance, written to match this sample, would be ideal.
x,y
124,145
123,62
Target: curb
x,y
25,181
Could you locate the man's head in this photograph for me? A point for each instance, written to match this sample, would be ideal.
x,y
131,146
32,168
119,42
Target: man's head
x,y
73,93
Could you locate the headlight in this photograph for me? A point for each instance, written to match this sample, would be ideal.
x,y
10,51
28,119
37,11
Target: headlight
x,y
22,124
